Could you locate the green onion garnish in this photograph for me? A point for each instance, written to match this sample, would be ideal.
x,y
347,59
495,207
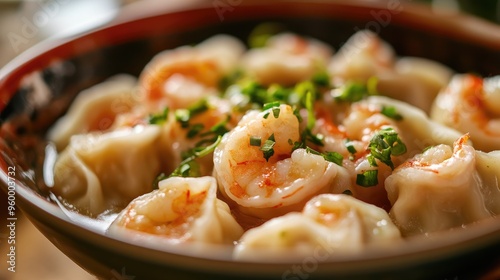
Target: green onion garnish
x,y
368,178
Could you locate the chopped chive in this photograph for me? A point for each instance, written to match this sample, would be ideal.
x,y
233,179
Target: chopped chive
x,y
296,112
426,149
312,151
321,79
188,167
268,147
182,116
159,118
270,105
350,147
276,112
255,141
391,112
198,108
383,145
219,128
194,130
333,157
368,178
311,120
347,192
266,115
371,85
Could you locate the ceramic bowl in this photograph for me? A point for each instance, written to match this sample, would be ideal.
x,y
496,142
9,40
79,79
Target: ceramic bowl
x,y
37,87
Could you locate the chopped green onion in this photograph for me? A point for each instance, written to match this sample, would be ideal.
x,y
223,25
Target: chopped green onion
x,y
371,86
268,147
194,130
347,192
391,112
312,151
333,157
321,79
219,128
383,144
255,141
368,178
311,119
350,147
230,79
270,105
266,115
198,108
159,118
261,33
427,148
159,178
188,167
296,112
276,112
182,116
352,92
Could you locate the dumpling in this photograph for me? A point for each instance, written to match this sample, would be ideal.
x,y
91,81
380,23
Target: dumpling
x,y
286,59
444,188
471,105
330,223
95,109
410,79
105,171
181,210
181,77
417,129
363,56
415,80
268,182
365,120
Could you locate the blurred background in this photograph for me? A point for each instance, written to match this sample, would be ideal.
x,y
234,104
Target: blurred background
x,y
38,20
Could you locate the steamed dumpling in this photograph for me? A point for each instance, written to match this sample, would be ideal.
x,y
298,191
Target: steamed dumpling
x,y
180,77
267,187
336,224
471,105
286,59
410,79
181,210
99,172
95,109
444,188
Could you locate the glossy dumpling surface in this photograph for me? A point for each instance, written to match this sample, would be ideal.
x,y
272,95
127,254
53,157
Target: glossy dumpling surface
x,y
181,210
330,223
103,171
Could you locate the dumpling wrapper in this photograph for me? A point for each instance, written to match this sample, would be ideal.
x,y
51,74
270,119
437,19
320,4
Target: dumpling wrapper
x,y
95,109
181,210
444,188
102,171
330,223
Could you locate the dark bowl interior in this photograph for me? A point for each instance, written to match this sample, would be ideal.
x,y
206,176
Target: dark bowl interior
x,y
28,107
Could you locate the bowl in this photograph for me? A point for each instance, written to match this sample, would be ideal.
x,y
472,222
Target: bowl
x,y
37,87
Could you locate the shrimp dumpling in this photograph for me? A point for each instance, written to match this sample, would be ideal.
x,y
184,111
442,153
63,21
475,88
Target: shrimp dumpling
x,y
471,105
444,188
266,184
180,77
181,210
330,223
416,128
100,172
95,109
286,59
